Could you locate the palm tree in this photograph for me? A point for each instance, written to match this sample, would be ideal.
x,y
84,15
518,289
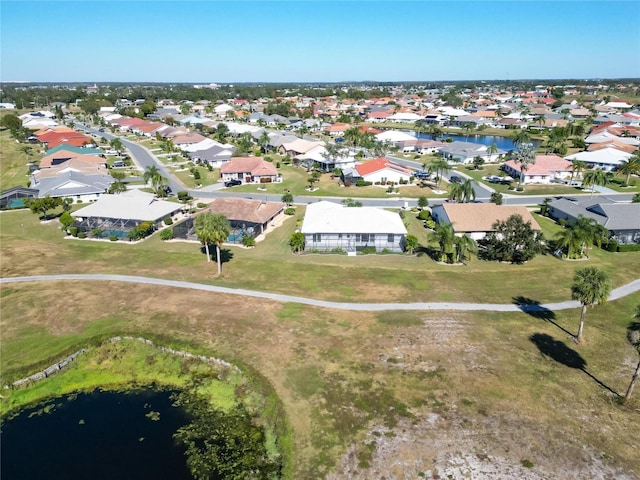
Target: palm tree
x,y
264,141
352,135
577,167
520,137
438,166
540,120
525,156
26,149
435,131
590,286
464,246
467,190
152,174
633,335
221,229
296,242
116,144
568,239
590,233
455,192
492,150
204,231
629,167
445,236
594,177
410,243
467,127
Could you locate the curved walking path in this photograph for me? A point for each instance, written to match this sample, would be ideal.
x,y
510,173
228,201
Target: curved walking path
x,y
617,293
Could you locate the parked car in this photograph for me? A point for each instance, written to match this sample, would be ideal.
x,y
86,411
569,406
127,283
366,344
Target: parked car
x,y
455,179
232,182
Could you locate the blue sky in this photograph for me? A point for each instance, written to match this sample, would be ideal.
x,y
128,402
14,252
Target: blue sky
x,y
307,41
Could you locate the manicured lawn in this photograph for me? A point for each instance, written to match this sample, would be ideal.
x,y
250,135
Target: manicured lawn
x,y
295,180
206,177
488,170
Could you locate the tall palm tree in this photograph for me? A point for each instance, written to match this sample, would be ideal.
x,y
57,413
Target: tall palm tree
x,y
435,131
633,335
492,150
590,286
438,166
152,174
629,167
525,156
221,229
594,177
204,231
577,167
264,141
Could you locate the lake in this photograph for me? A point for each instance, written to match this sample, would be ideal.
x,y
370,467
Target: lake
x,y
503,143
97,435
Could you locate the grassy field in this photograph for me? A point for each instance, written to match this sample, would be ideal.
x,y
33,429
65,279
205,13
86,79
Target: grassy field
x,y
430,383
13,161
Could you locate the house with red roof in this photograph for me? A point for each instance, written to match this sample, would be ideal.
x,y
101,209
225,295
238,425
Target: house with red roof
x,y
53,139
249,170
382,170
546,169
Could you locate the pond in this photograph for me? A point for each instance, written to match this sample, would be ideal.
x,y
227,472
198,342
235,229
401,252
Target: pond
x,y
503,143
97,435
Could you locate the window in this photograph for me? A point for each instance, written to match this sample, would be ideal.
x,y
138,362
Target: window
x,y
317,237
390,238
339,235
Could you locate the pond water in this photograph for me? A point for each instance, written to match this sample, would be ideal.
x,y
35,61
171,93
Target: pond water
x,y
98,435
503,143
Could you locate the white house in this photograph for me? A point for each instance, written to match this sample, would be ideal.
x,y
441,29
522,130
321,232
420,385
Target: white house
x,y
545,170
605,159
329,226
382,170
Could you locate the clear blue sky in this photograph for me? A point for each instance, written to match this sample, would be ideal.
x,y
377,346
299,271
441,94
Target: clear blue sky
x,y
306,41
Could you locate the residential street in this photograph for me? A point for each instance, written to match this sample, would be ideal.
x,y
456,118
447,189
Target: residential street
x,y
617,293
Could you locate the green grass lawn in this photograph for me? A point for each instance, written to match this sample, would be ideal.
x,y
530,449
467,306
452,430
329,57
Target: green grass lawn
x,y
295,180
206,177
13,162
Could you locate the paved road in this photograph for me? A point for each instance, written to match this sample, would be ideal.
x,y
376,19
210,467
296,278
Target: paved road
x,y
617,293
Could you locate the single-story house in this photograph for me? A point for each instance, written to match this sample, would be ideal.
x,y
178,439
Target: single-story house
x,y
546,169
383,171
621,219
465,152
120,213
606,159
477,219
216,155
249,170
328,226
74,185
247,217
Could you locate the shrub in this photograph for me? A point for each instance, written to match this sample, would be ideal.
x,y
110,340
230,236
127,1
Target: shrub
x,y
430,224
277,164
629,248
166,234
79,201
290,211
73,231
201,205
339,251
368,250
113,238
82,235
363,183
248,241
267,159
168,221
96,232
196,174
183,196
520,189
612,246
424,215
